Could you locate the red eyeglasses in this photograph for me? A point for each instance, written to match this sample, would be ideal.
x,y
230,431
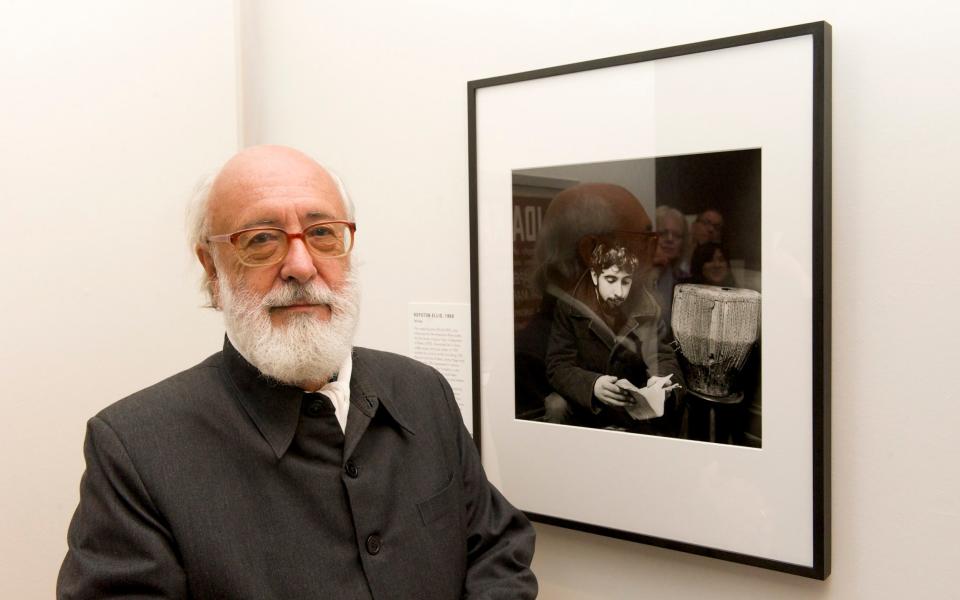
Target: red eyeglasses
x,y
265,246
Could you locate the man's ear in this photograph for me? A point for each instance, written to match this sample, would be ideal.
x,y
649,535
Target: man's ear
x,y
210,268
595,277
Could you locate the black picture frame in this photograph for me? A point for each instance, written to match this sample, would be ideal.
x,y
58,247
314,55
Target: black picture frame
x,y
500,459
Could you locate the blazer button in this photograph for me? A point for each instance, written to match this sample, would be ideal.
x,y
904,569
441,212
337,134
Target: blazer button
x,y
314,409
352,469
374,544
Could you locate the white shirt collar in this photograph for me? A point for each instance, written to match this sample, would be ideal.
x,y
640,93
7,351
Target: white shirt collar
x,y
339,391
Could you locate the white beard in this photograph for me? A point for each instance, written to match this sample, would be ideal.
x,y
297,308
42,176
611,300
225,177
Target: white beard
x,y
304,349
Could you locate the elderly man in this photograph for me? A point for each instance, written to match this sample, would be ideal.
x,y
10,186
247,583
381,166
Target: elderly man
x,y
289,465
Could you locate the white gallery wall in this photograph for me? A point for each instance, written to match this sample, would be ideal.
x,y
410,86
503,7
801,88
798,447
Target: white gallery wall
x,y
110,110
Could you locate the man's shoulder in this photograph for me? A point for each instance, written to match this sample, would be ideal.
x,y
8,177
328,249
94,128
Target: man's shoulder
x,y
415,393
167,398
390,363
397,376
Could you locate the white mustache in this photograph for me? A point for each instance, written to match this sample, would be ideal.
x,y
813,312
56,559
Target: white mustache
x,y
294,293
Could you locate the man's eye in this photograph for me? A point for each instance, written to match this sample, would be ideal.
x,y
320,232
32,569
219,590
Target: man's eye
x,y
610,279
262,237
322,231
627,281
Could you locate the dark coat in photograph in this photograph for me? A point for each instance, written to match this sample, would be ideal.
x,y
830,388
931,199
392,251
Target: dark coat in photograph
x,y
583,347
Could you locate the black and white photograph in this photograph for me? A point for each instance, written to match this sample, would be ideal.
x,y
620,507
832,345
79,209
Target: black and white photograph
x,y
650,294
637,296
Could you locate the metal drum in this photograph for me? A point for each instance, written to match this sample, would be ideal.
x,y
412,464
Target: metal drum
x,y
716,327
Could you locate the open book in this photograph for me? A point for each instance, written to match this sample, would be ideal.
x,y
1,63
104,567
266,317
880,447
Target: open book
x,y
648,402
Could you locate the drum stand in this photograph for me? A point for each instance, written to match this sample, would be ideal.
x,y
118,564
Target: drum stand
x,y
718,409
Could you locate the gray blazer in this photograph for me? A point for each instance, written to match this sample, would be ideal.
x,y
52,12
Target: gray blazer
x,y
216,483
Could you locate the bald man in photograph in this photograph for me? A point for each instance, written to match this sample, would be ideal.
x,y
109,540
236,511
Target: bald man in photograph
x,y
291,464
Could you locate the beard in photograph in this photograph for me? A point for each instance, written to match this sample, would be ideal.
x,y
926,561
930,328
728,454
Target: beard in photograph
x,y
611,305
305,348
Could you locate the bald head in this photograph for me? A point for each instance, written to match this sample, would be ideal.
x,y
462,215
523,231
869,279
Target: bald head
x,y
270,171
242,173
583,212
594,209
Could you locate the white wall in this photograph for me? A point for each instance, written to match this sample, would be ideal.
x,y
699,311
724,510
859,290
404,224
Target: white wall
x,y
109,111
379,92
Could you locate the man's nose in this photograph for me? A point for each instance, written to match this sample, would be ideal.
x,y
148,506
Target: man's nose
x,y
298,264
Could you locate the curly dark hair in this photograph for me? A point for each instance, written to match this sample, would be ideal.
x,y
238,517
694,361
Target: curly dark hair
x,y
605,256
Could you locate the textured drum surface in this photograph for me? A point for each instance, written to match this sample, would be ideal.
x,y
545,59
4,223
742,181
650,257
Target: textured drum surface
x,y
716,328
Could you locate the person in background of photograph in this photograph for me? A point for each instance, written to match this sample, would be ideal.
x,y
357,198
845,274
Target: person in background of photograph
x,y
668,267
707,227
607,330
711,266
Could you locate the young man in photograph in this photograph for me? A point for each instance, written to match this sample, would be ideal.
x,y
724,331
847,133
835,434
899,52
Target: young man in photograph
x,y
608,335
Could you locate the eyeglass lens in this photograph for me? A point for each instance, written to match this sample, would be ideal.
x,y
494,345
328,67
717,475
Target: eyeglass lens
x,y
267,245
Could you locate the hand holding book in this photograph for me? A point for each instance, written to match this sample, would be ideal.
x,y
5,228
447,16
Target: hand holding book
x,y
647,402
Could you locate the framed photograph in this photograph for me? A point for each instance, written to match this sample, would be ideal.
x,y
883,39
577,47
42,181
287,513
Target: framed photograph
x,y
650,286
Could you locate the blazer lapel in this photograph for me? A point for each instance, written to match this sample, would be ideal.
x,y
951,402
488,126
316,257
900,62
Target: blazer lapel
x,y
371,390
363,405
